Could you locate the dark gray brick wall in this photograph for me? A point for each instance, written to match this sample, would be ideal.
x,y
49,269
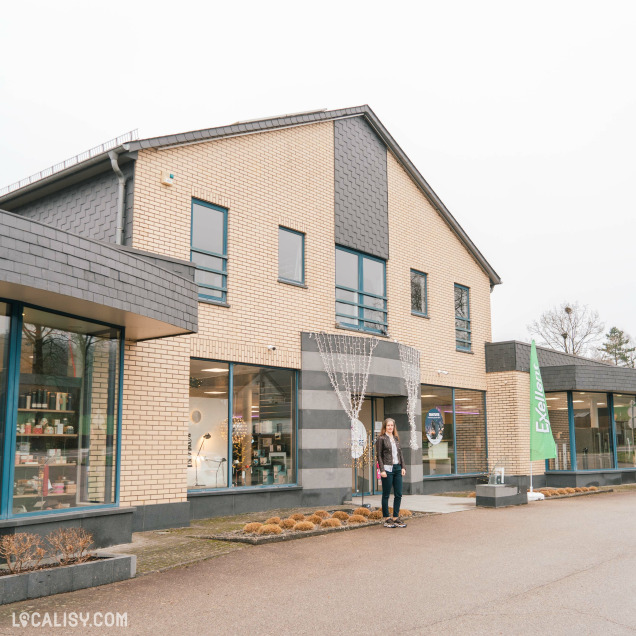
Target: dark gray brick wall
x,y
43,257
515,356
88,208
361,199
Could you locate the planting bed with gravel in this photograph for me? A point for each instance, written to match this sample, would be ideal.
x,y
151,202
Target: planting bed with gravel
x,y
299,526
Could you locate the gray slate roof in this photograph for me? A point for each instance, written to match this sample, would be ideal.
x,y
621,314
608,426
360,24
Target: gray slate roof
x,y
286,121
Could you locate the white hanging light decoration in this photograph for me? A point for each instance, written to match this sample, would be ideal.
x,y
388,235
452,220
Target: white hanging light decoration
x,y
347,360
410,359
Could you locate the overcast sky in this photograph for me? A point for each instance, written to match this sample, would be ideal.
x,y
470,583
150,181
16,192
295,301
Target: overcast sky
x,y
521,116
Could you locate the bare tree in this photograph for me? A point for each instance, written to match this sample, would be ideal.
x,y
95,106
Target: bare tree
x,y
570,327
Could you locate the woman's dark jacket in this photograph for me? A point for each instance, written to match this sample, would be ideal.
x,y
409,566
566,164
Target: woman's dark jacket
x,y
384,453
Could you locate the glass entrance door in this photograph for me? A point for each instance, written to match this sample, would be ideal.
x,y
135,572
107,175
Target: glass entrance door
x,y
363,473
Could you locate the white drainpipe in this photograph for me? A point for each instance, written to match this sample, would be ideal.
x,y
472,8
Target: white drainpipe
x,y
121,202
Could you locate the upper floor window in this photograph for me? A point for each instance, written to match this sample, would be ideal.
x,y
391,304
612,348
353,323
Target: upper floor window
x,y
360,291
462,318
209,250
291,256
419,293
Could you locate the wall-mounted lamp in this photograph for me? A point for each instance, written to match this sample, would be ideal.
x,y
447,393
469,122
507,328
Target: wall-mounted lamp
x,y
442,372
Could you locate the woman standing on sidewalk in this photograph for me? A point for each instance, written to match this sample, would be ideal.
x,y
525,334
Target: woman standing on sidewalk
x,y
391,464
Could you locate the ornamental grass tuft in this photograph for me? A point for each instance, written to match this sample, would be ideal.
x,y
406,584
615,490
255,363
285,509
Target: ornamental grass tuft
x,y
288,524
331,523
357,519
340,514
315,519
270,528
593,488
272,521
365,512
323,514
251,528
376,514
570,490
298,516
406,513
304,526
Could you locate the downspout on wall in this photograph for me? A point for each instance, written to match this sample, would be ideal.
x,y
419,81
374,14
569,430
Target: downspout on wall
x,y
121,197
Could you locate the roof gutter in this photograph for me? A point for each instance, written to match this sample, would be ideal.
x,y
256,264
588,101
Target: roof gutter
x,y
121,193
56,176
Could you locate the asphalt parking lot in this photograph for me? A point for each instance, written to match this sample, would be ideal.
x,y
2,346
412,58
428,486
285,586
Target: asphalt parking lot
x,y
556,567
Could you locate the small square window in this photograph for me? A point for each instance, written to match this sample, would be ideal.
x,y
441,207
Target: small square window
x,y
419,293
291,256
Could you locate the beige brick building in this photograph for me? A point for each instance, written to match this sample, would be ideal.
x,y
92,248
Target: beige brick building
x,y
238,245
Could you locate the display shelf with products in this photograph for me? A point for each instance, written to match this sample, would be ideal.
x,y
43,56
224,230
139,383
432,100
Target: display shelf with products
x,y
47,457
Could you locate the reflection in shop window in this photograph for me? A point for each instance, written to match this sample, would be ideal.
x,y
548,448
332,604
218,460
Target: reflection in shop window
x,y
437,452
66,429
470,431
592,430
625,418
560,424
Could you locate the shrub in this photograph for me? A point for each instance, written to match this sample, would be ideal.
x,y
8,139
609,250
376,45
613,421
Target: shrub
x,y
304,526
272,521
288,524
406,513
70,545
251,528
584,489
315,519
323,514
357,519
340,514
570,490
297,516
270,528
331,523
578,490
548,493
376,514
592,488
561,491
22,551
365,512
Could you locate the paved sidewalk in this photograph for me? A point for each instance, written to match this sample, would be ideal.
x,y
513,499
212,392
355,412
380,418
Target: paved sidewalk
x,y
424,503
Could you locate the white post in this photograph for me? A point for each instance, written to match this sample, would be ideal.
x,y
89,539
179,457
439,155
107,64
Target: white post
x,y
531,476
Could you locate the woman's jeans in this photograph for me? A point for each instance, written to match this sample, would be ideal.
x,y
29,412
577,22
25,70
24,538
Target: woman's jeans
x,y
392,480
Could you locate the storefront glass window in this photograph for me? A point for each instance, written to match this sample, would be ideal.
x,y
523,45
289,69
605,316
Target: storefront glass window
x,y
592,430
263,426
437,430
262,429
625,418
560,424
470,434
4,361
208,426
66,444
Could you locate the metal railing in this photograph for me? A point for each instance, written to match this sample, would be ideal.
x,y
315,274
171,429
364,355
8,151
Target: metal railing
x,y
58,167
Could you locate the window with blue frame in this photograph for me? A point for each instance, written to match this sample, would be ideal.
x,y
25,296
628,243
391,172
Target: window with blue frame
x,y
242,430
63,432
291,256
462,318
209,250
419,293
360,291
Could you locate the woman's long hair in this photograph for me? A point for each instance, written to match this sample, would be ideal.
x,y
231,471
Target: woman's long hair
x,y
383,431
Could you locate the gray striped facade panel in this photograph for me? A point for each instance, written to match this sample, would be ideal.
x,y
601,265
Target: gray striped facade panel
x,y
361,189
318,478
38,256
88,208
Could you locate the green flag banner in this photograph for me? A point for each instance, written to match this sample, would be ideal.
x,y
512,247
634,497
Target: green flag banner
x,y
542,444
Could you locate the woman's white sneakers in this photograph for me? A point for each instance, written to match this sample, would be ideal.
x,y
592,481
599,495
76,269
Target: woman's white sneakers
x,y
399,523
389,524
